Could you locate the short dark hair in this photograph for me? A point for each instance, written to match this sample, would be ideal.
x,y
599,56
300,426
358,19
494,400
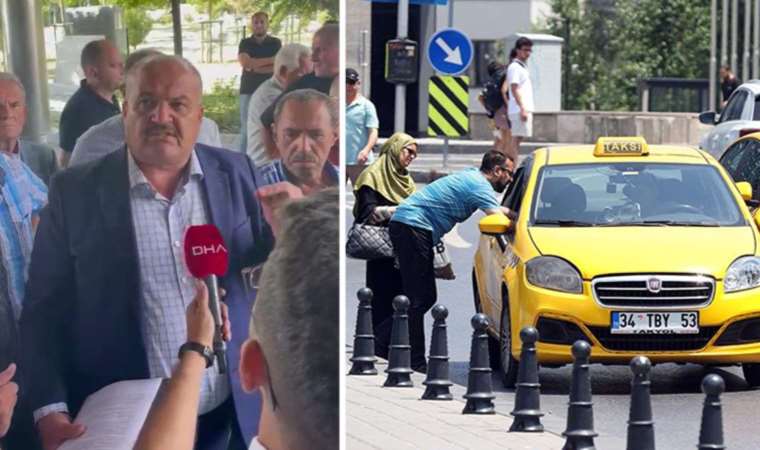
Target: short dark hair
x,y
260,14
492,159
523,42
92,53
513,54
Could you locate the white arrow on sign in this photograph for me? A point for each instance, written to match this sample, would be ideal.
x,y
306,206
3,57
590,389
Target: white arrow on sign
x,y
452,56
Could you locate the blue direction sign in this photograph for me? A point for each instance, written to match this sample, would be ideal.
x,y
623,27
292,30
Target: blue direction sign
x,y
449,51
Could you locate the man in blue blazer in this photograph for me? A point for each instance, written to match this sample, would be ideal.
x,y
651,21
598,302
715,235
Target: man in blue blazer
x,y
108,284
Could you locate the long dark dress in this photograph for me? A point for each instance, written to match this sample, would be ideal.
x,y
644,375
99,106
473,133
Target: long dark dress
x,y
382,278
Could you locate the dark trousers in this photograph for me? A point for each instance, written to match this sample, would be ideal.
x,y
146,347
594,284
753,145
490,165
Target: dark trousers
x,y
218,429
414,248
385,282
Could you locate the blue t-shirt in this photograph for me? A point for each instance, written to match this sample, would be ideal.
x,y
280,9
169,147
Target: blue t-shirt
x,y
361,116
447,201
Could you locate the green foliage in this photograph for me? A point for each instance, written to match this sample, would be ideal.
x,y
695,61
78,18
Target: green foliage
x,y
612,49
222,105
138,26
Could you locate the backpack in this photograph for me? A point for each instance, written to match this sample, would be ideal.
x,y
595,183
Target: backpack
x,y
492,91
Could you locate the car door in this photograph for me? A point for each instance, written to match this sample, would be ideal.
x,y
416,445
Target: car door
x,y
726,131
743,164
732,157
501,254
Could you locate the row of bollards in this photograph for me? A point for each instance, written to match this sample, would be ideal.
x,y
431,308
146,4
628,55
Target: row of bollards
x,y
579,432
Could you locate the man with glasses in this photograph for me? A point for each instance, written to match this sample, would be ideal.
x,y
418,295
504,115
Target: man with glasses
x,y
428,214
520,103
361,126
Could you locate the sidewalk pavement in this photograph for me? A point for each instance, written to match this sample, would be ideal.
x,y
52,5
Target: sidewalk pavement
x,y
396,418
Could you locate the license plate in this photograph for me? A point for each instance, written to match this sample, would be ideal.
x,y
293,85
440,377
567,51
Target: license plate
x,y
642,322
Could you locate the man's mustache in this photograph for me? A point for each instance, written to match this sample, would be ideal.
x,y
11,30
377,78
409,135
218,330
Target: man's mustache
x,y
155,130
298,157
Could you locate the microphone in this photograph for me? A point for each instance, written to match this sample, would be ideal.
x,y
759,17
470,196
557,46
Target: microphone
x,y
206,257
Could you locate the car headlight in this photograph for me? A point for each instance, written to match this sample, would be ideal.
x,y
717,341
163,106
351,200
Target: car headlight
x,y
554,273
744,273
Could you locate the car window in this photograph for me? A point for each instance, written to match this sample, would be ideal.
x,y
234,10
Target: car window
x,y
749,167
619,194
731,159
756,112
516,191
735,106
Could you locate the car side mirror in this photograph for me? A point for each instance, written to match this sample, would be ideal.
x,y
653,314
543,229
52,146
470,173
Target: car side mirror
x,y
708,117
494,224
745,190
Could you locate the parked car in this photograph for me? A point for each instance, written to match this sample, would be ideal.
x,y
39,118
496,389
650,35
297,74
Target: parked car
x,y
740,117
637,249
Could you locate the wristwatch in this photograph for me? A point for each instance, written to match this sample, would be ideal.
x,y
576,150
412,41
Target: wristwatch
x,y
204,351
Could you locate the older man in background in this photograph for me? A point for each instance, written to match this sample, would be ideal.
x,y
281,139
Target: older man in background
x,y
40,158
305,129
108,136
94,101
290,64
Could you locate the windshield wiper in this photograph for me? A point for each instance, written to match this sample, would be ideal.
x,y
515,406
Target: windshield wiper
x,y
660,223
564,223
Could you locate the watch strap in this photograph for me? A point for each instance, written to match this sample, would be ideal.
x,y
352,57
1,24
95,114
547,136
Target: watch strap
x,y
199,348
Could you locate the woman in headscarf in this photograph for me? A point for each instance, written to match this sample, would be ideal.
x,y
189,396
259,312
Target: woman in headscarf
x,y
378,190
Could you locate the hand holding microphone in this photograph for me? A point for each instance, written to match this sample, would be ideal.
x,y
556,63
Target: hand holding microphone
x,y
206,258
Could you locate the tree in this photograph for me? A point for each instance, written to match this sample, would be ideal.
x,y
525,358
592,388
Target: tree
x,y
138,26
611,49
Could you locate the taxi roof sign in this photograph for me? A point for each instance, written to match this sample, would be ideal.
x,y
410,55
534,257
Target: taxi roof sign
x,y
621,146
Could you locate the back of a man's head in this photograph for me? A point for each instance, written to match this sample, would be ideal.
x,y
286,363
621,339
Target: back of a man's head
x,y
295,320
492,159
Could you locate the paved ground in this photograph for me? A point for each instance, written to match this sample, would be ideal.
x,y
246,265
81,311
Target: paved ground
x,y
676,399
396,418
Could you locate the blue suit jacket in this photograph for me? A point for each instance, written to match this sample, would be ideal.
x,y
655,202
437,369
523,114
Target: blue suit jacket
x,y
81,318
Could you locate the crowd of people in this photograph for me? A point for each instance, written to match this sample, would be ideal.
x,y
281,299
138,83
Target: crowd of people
x,y
94,287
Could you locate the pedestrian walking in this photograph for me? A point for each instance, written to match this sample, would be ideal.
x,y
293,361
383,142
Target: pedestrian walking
x,y
422,220
728,84
361,126
520,103
380,188
256,56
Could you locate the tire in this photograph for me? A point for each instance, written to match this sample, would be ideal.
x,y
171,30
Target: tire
x,y
751,374
508,364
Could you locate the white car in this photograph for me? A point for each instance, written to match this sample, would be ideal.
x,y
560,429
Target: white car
x,y
741,116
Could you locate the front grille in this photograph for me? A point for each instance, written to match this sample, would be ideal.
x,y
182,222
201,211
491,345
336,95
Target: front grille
x,y
634,291
653,342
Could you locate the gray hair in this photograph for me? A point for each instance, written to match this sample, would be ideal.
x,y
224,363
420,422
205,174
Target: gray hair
x,y
157,59
7,76
295,321
290,56
306,96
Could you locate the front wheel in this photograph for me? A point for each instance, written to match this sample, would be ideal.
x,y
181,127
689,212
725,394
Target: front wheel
x,y
508,362
751,374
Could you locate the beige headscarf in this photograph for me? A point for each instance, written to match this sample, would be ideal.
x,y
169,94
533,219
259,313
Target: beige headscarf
x,y
386,175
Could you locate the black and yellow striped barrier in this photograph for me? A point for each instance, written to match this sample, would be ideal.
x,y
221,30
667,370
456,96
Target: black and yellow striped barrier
x,y
447,106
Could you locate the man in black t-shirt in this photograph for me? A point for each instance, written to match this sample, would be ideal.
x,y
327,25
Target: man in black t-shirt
x,y
94,101
256,56
728,84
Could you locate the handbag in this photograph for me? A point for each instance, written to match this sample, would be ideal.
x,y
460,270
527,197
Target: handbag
x,y
442,263
368,242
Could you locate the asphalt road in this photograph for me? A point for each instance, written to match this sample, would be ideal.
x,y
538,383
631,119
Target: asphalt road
x,y
676,400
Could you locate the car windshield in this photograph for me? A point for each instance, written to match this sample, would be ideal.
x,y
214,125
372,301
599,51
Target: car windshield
x,y
642,194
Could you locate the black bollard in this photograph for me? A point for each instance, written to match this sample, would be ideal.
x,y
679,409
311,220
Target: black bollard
x,y
479,386
640,423
711,430
437,379
399,356
580,415
364,358
527,412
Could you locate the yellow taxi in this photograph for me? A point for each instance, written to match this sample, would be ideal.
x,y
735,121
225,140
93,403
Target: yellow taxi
x,y
637,249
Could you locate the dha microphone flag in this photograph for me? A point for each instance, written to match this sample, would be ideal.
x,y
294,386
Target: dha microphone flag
x,y
205,252
206,257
